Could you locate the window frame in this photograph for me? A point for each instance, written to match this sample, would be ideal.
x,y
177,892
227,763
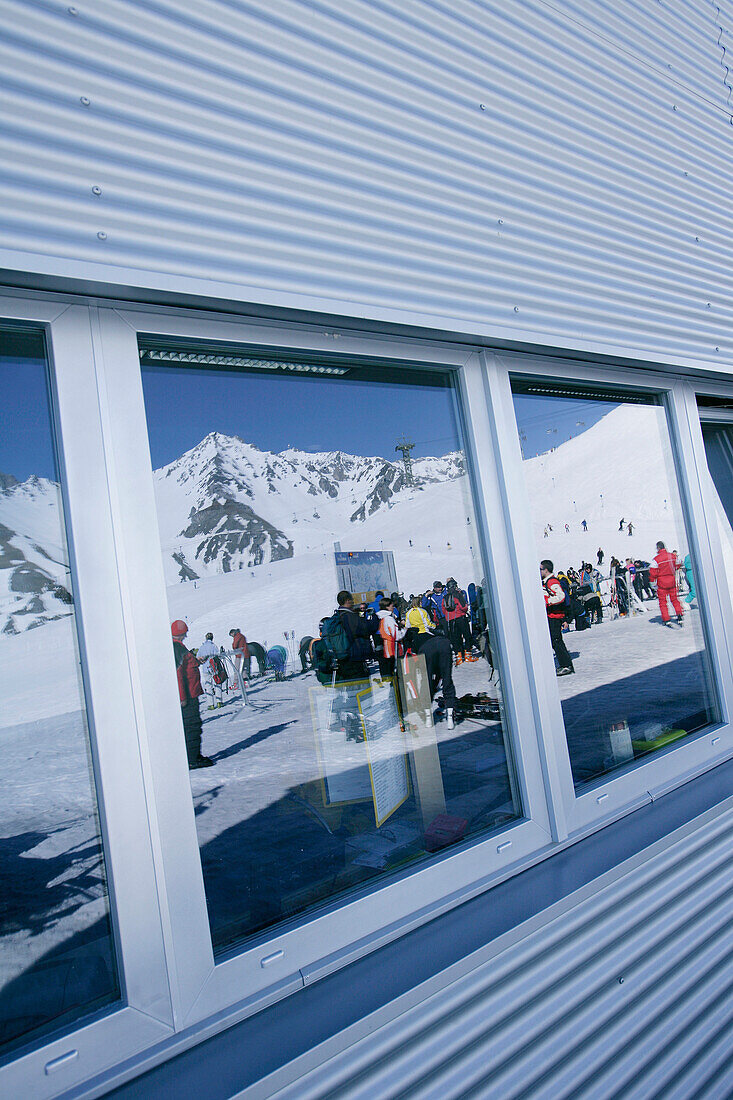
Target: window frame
x,y
285,958
723,417
79,1049
170,980
620,792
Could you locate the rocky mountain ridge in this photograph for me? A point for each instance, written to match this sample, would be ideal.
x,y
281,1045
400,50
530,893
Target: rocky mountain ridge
x,y
244,507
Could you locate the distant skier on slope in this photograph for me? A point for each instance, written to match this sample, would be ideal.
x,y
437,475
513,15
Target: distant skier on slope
x,y
664,572
621,523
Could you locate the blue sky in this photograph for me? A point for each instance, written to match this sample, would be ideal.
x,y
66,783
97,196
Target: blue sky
x,y
311,414
26,445
183,405
545,421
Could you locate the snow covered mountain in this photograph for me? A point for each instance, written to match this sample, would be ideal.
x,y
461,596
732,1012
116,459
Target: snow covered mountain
x,y
34,574
225,505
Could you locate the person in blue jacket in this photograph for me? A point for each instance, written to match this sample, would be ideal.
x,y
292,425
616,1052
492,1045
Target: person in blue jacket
x,y
690,579
433,604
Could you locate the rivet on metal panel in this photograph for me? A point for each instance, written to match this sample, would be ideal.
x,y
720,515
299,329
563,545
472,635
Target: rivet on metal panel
x,y
96,190
482,106
516,309
84,100
102,235
621,981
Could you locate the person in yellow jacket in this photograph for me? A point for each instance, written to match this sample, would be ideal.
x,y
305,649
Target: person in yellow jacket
x,y
418,617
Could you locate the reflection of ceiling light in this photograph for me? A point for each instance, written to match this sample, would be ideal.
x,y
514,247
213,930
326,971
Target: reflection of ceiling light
x,y
236,361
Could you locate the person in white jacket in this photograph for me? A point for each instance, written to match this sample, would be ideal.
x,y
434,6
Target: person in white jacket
x,y
209,673
391,633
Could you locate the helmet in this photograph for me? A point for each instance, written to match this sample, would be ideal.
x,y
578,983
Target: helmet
x,y
209,637
179,628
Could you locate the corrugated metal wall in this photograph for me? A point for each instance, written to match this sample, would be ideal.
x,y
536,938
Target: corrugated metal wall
x,y
559,170
626,991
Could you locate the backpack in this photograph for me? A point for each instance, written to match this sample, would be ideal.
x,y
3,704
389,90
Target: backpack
x,y
453,599
218,671
337,638
565,605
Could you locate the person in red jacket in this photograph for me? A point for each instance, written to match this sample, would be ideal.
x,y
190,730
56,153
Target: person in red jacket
x,y
455,611
189,690
555,607
664,571
241,651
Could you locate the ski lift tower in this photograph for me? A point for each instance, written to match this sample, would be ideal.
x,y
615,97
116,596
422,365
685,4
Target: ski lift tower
x,y
404,446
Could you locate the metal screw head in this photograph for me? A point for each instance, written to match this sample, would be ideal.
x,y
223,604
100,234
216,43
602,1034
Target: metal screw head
x,y
96,190
84,100
102,235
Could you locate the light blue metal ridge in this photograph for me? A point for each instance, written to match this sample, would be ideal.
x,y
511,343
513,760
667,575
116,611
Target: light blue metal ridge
x,y
723,58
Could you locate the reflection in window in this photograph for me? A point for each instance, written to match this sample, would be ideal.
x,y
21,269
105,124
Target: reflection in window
x,y
342,714
719,451
56,955
618,576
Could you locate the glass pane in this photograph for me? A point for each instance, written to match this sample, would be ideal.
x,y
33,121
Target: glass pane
x,y
719,450
337,759
56,953
623,617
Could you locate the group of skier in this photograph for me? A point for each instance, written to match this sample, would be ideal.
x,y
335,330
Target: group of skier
x,y
445,624
212,670
575,596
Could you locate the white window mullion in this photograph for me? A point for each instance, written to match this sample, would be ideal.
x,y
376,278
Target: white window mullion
x,y
524,570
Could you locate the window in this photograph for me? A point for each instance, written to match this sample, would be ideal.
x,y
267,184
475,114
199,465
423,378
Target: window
x,y
57,959
327,749
618,573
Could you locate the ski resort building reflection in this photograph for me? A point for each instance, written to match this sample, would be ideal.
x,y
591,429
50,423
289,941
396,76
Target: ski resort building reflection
x,y
360,727
625,619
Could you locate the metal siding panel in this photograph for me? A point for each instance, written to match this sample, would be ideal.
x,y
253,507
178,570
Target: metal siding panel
x,y
339,150
548,1017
